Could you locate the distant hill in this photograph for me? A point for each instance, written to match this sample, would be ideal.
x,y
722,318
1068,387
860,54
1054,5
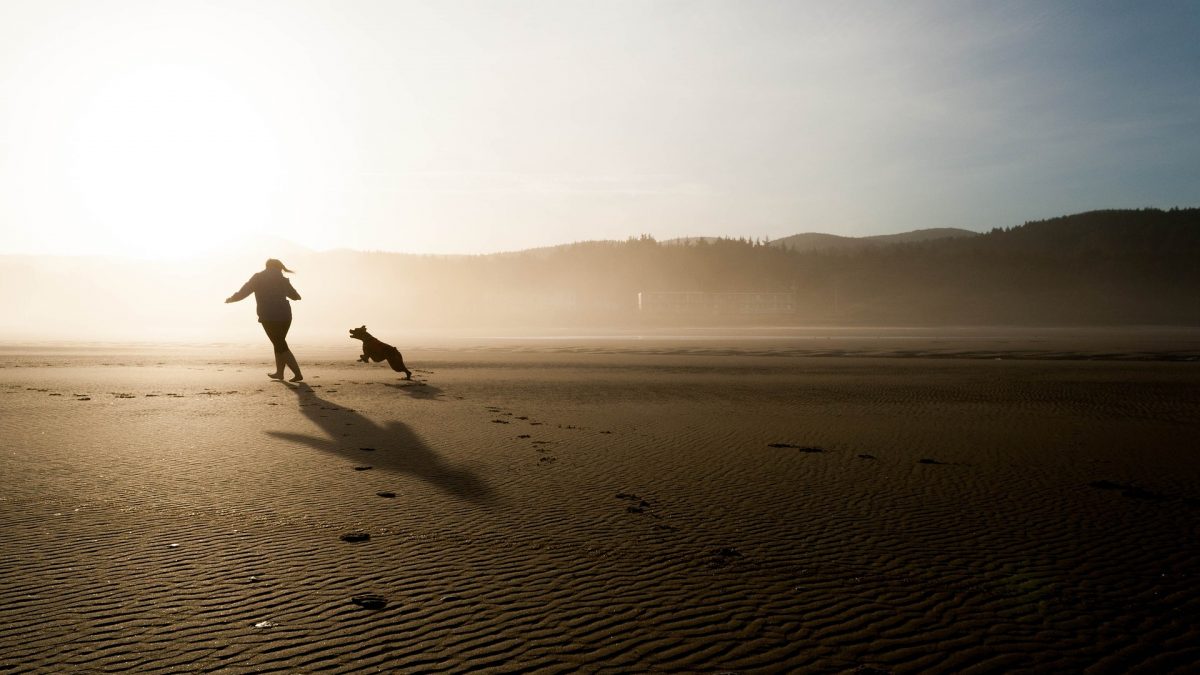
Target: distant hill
x,y
816,241
1096,268
813,241
1100,267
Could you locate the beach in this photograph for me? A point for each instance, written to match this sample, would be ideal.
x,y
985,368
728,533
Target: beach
x,y
833,502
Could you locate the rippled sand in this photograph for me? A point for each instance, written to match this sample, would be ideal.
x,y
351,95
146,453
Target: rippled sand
x,y
595,505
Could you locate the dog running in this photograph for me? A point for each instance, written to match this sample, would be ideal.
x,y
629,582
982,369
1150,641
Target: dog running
x,y
377,351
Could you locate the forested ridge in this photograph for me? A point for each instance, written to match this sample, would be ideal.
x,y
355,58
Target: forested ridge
x,y
1100,267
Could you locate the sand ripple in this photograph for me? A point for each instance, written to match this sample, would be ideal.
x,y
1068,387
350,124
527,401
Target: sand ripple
x,y
687,523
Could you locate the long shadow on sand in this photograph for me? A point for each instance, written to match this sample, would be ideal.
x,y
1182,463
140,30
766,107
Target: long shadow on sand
x,y
419,390
395,447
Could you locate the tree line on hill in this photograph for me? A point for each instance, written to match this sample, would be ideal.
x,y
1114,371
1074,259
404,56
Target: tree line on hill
x,y
1101,267
1097,268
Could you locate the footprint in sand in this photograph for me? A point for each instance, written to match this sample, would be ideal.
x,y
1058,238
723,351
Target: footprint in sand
x,y
370,601
547,460
523,436
362,468
500,422
1132,491
866,456
926,460
639,506
724,556
387,495
355,537
801,448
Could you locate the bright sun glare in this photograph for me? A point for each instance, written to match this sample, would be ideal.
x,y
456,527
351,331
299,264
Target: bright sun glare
x,y
171,162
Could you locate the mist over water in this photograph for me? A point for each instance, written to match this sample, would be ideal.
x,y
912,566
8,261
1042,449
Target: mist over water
x,y
1119,268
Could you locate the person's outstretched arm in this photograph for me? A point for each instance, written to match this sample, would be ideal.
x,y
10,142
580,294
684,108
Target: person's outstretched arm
x,y
245,292
291,292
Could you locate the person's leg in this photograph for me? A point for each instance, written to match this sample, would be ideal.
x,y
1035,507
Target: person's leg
x,y
288,357
279,361
277,332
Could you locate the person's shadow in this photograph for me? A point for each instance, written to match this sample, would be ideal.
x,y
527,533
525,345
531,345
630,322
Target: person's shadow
x,y
396,447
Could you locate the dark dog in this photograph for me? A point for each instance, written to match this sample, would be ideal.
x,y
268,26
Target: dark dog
x,y
377,351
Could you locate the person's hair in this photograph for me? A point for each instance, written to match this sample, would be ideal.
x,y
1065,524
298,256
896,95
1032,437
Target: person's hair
x,y
275,264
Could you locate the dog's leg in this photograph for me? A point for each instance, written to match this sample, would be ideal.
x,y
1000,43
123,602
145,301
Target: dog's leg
x,y
396,361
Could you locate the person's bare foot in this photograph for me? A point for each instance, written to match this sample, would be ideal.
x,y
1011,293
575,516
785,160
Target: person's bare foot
x,y
297,378
275,376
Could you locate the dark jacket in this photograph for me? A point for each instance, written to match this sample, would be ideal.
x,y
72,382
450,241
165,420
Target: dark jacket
x,y
271,291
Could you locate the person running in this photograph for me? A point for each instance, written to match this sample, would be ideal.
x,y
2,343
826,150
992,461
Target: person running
x,y
271,291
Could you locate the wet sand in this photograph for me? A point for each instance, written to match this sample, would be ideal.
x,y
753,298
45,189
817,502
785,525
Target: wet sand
x,y
591,504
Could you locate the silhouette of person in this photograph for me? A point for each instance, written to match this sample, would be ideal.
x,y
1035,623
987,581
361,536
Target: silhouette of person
x,y
271,292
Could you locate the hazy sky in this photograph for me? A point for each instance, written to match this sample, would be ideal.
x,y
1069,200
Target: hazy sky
x,y
159,127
